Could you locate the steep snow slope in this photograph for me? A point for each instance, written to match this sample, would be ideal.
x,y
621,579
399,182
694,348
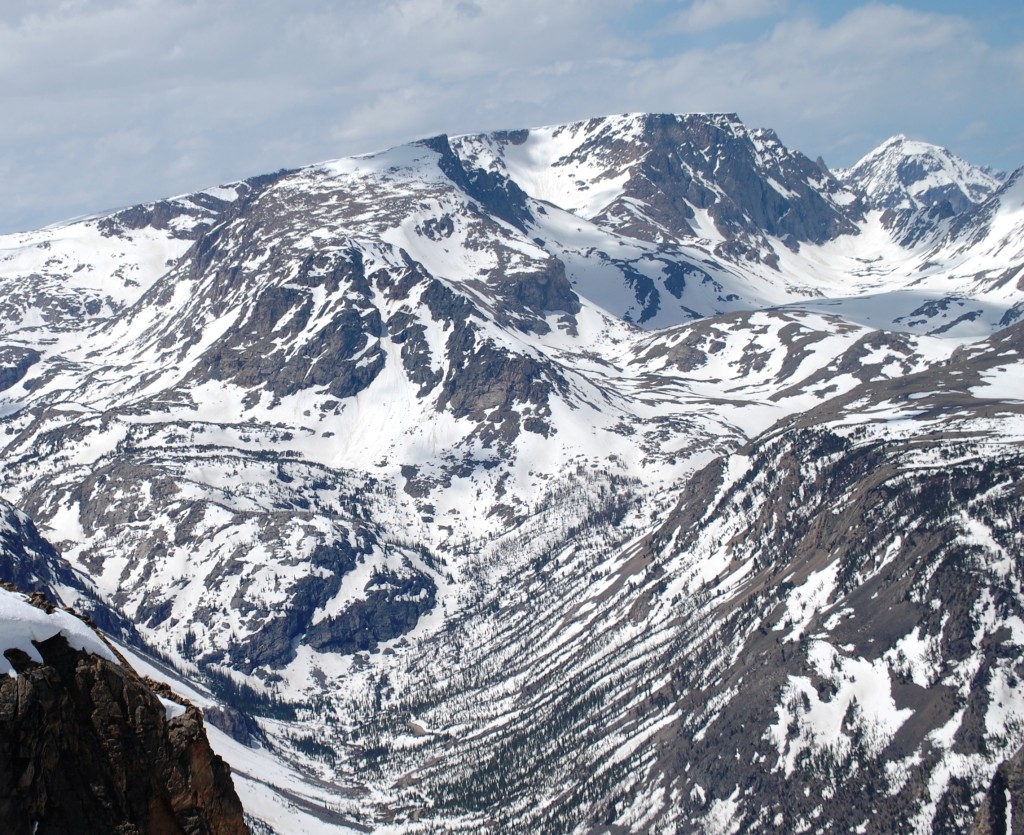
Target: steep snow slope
x,y
668,218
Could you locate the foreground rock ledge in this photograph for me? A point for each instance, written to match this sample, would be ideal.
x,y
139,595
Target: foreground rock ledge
x,y
87,746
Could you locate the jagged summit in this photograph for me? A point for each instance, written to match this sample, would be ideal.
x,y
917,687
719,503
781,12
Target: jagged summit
x,y
669,177
904,173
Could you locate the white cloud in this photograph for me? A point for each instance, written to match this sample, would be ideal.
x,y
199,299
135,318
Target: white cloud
x,y
877,66
703,15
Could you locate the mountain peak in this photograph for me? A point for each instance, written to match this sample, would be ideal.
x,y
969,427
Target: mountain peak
x,y
904,173
667,177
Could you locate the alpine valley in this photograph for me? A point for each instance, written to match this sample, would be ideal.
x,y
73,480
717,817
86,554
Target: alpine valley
x,y
631,475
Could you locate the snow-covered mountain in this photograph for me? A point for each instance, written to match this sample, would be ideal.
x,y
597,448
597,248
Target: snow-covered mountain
x,y
904,173
611,476
919,188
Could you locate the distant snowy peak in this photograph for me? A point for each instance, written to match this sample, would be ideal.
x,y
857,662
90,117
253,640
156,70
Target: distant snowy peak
x,y
904,173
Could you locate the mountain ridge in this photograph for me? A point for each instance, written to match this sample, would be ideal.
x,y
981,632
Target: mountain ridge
x,y
455,450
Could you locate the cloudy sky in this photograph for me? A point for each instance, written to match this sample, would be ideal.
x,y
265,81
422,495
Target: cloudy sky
x,y
105,103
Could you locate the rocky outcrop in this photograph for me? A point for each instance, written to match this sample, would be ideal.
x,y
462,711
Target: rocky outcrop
x,y
1002,810
87,746
14,362
713,162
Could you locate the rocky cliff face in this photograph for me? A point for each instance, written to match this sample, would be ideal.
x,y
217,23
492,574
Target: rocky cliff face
x,y
87,746
1002,810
